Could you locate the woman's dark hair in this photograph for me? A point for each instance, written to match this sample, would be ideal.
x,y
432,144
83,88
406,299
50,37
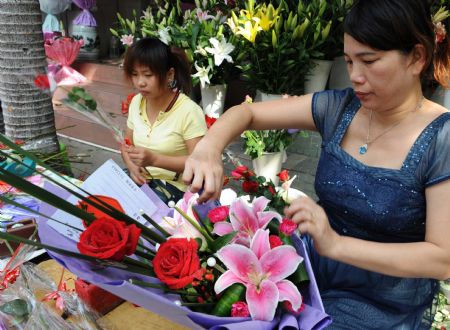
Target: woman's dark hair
x,y
400,25
159,58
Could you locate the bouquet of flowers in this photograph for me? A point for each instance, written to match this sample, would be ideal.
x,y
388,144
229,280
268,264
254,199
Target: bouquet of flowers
x,y
235,263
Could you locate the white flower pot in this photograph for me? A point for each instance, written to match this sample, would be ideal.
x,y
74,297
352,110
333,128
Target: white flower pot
x,y
442,97
339,78
316,81
269,165
90,49
213,99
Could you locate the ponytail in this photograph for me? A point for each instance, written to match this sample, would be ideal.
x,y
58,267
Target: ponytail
x,y
179,61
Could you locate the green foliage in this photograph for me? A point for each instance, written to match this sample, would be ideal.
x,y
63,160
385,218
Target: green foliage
x,y
258,142
80,96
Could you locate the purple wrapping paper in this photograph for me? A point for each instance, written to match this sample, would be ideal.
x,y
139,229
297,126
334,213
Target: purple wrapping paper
x,y
115,281
85,18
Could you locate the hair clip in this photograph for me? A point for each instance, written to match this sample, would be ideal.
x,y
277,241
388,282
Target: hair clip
x,y
440,32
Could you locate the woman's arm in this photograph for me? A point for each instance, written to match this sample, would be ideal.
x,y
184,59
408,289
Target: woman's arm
x,y
204,166
143,157
429,259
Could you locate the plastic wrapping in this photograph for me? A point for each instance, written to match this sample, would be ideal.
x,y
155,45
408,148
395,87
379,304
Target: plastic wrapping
x,y
85,17
26,303
53,8
64,51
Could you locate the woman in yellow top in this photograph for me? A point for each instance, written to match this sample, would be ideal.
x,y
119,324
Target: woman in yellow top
x,y
164,124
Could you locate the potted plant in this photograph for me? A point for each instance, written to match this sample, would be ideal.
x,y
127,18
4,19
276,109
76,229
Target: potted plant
x,y
323,38
272,52
206,40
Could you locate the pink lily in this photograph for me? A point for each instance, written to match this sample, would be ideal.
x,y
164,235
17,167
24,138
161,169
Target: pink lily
x,y
263,271
177,225
246,219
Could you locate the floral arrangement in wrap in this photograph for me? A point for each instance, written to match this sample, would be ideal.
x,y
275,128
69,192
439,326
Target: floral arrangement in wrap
x,y
189,256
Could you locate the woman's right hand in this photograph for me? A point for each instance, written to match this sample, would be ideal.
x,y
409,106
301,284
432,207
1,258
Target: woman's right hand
x,y
204,170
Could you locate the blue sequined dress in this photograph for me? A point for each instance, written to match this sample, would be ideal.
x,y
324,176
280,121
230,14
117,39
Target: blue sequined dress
x,y
376,204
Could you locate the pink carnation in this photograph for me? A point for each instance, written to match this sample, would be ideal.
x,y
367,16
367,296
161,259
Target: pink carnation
x,y
239,309
288,226
218,214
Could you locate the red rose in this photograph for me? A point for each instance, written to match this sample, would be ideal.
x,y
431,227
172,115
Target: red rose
x,y
41,81
226,179
95,211
283,175
239,309
288,226
275,241
176,263
250,186
239,172
107,238
218,214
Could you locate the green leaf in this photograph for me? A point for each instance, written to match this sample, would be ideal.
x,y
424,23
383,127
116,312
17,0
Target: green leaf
x,y
220,242
231,295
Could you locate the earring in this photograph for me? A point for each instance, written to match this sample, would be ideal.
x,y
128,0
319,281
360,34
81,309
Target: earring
x,y
172,83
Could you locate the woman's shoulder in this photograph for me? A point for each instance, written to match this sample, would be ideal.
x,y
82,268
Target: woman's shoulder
x,y
186,105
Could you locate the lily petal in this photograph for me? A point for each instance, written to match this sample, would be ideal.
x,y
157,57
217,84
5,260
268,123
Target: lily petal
x,y
288,291
225,280
260,243
262,302
280,262
222,228
260,204
240,260
242,217
265,217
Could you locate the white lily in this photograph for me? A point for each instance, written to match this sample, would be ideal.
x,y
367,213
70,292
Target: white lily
x,y
221,50
164,35
202,74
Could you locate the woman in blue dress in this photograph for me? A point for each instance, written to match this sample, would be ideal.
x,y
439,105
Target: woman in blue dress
x,y
378,237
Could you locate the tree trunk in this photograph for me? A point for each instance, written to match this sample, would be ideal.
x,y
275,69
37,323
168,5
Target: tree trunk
x,y
27,111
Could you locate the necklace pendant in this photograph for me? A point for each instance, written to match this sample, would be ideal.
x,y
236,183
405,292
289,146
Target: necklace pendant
x,y
363,149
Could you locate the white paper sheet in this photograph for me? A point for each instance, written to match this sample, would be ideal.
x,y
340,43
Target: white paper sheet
x,y
108,180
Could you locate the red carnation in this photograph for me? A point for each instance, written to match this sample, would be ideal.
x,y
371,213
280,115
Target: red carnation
x,y
240,309
218,214
288,306
288,226
283,175
275,241
250,186
107,238
176,263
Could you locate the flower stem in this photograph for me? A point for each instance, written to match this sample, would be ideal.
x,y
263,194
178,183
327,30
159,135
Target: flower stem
x,y
156,225
195,224
162,287
219,268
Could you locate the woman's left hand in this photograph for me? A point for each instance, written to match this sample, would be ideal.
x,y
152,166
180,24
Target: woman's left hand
x,y
140,156
312,220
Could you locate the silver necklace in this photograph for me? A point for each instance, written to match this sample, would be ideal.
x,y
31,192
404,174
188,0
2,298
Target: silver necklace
x,y
363,149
